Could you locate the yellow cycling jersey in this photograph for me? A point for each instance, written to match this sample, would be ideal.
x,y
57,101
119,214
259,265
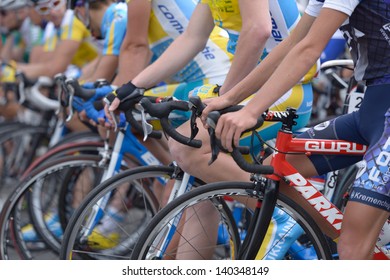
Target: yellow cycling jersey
x,y
71,29
284,17
169,19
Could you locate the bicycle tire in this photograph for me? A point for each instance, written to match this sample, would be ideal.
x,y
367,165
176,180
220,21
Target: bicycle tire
x,y
153,234
22,142
75,245
19,206
344,186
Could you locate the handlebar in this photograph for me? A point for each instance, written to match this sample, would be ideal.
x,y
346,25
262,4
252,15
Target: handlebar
x,y
40,101
328,66
162,111
73,85
35,97
287,118
212,120
346,63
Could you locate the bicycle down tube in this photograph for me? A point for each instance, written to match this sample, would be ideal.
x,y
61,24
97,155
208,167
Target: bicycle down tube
x,y
285,143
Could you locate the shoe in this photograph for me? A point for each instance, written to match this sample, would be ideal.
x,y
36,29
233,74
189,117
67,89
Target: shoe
x,y
281,234
300,252
105,235
53,224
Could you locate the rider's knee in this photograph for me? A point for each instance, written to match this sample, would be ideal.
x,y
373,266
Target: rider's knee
x,y
181,154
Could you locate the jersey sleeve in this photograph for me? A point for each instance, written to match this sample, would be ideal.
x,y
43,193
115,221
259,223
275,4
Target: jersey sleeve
x,y
314,7
346,6
114,37
74,30
49,39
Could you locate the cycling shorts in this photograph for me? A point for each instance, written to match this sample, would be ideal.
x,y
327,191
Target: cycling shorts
x,y
370,126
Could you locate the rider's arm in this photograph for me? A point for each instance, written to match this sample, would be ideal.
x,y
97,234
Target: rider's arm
x,y
38,54
256,29
104,68
62,57
10,51
300,59
256,79
183,49
289,72
114,32
134,53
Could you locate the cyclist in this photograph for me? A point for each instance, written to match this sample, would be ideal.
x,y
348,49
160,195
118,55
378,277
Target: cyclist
x,y
364,24
21,40
67,43
23,35
249,41
149,33
106,21
66,37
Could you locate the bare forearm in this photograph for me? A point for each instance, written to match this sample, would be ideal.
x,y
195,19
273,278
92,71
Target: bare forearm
x,y
36,70
131,62
259,76
105,68
303,57
8,51
247,54
179,53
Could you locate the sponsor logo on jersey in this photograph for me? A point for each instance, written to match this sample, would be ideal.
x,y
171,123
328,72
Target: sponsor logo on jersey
x,y
171,18
321,126
275,30
385,31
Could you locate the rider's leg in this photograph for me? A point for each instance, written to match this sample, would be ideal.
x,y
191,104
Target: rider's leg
x,y
195,161
360,230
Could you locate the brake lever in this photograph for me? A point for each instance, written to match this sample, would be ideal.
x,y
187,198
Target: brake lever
x,y
193,123
22,94
213,140
214,147
146,127
112,114
71,95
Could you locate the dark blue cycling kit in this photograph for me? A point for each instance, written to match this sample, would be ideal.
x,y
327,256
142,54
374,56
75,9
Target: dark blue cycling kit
x,y
368,34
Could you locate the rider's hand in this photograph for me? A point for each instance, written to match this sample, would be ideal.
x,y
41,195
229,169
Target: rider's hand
x,y
123,93
230,126
215,104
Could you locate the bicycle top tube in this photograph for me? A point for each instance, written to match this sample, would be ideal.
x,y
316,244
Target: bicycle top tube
x,y
285,144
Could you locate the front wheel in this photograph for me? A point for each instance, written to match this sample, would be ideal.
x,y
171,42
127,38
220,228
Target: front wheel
x,y
189,228
113,215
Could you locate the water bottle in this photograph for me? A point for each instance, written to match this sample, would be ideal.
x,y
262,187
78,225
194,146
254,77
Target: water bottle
x,y
384,236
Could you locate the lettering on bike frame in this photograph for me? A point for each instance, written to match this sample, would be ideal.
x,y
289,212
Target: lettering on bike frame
x,y
317,200
286,143
325,146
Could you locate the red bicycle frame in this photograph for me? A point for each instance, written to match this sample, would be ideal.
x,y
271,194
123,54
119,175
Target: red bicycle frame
x,y
285,143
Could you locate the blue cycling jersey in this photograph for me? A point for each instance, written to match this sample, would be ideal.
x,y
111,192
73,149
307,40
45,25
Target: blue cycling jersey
x,y
368,33
113,28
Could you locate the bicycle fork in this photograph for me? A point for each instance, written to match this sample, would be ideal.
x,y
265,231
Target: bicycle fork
x,y
262,216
